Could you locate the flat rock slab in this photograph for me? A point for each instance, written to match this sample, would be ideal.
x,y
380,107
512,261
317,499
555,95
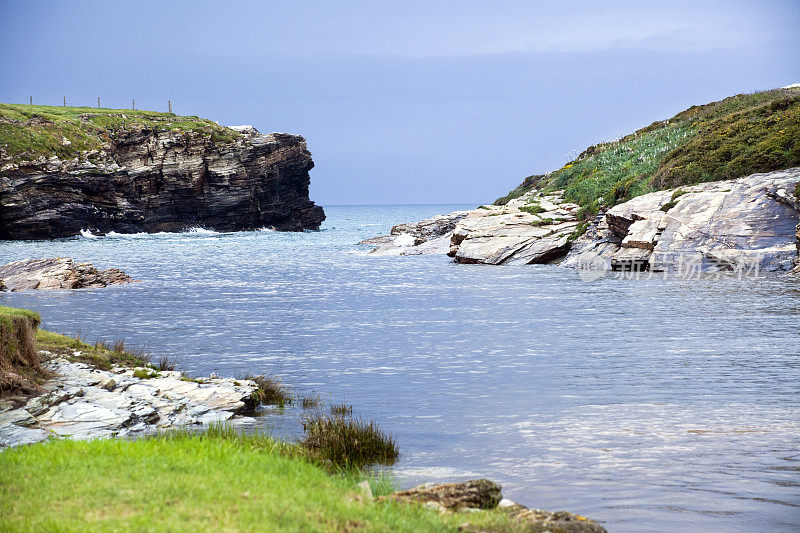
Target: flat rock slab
x,y
58,273
84,403
533,228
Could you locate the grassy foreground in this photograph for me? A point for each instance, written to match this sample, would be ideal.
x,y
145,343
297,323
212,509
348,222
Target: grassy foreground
x,y
217,481
729,139
30,131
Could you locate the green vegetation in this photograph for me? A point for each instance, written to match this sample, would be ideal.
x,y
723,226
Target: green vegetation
x,y
145,373
216,481
27,132
533,209
20,368
735,137
673,201
100,354
348,442
270,391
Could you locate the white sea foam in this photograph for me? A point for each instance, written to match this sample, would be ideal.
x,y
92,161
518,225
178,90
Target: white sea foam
x,y
88,234
404,239
202,231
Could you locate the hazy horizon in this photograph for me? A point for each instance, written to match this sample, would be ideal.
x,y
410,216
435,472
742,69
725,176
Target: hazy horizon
x,y
452,103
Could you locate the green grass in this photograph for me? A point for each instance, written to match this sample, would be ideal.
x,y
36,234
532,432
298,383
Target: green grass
x,y
100,355
219,481
20,366
27,132
732,138
344,441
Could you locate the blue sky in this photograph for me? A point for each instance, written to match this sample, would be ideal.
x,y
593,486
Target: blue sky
x,y
412,102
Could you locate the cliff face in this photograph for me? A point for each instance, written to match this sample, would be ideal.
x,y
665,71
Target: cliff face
x,y
145,178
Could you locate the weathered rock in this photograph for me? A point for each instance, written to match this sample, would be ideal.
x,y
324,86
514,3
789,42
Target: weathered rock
x,y
482,494
540,521
150,180
476,493
84,402
746,223
58,273
534,228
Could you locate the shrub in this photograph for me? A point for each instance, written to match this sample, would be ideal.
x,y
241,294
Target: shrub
x,y
270,391
348,442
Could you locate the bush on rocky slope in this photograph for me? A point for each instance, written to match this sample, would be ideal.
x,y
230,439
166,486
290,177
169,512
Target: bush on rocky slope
x,y
729,139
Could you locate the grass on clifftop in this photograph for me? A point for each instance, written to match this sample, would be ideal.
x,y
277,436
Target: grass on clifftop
x,y
729,139
218,481
20,367
30,131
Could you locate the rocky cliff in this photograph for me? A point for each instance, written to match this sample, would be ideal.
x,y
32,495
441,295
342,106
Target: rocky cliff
x,y
146,172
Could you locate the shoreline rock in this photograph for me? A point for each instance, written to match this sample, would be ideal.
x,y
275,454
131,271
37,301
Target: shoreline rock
x,y
84,402
476,495
716,226
57,273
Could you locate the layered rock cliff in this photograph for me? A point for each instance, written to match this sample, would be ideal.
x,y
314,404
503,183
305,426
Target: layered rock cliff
x,y
152,173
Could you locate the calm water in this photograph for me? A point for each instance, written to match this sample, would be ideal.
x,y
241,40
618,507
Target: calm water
x,y
651,405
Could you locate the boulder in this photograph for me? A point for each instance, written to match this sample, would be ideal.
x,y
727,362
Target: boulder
x,y
476,494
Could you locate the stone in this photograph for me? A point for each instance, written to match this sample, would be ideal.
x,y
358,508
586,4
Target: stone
x,y
148,180
538,520
365,490
476,493
58,273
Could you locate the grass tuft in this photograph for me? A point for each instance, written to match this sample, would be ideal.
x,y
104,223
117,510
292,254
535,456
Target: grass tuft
x,y
348,441
270,391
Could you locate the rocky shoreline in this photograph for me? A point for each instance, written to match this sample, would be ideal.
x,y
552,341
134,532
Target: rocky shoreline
x,y
748,222
84,402
57,273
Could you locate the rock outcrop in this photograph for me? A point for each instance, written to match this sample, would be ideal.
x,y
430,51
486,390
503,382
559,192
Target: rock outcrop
x,y
57,273
534,228
83,402
145,179
746,223
482,494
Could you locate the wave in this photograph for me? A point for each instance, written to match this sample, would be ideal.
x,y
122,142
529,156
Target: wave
x,y
201,231
88,234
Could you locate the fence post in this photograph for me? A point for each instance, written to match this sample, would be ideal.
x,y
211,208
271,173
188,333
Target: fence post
x,y
98,102
133,103
65,101
31,101
170,106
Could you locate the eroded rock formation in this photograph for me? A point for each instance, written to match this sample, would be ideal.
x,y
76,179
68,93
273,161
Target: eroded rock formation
x,y
148,180
750,222
82,402
719,226
57,273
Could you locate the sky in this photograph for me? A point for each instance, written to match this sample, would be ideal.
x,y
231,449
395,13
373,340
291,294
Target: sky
x,y
406,102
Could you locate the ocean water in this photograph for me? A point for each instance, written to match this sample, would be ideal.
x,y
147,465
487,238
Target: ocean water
x,y
651,405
